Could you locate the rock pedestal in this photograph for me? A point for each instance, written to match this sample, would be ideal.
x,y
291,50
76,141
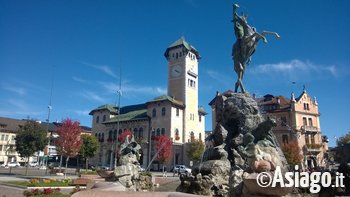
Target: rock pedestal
x,y
243,145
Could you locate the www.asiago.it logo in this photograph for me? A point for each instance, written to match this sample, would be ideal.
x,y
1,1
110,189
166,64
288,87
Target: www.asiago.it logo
x,y
313,180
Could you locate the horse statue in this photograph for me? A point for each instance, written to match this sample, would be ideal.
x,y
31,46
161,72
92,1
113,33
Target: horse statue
x,y
245,45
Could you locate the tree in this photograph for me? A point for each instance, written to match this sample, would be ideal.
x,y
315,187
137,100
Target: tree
x,y
343,145
30,139
195,151
69,140
292,153
88,148
163,147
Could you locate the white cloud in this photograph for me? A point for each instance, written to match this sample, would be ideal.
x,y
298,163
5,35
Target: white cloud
x,y
104,68
93,96
82,112
295,69
133,89
18,90
80,80
219,77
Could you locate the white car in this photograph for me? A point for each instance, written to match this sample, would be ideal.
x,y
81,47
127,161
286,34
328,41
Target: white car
x,y
13,164
182,169
33,164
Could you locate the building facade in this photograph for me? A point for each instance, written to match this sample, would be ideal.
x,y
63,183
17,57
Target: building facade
x,y
298,120
176,114
8,130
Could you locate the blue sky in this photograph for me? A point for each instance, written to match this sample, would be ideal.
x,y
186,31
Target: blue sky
x,y
85,43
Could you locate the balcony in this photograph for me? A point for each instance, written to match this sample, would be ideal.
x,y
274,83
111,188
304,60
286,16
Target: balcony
x,y
306,128
314,148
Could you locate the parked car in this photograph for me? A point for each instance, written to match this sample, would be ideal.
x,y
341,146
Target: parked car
x,y
182,169
33,164
13,164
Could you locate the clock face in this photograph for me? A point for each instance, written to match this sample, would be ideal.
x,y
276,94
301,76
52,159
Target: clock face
x,y
176,71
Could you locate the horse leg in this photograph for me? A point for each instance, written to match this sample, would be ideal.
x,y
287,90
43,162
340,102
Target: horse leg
x,y
270,33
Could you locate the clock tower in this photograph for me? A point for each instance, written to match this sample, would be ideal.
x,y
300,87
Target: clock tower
x,y
183,84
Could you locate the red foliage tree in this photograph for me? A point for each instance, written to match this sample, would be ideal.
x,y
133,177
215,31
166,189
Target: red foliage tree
x,y
292,152
69,141
122,136
164,147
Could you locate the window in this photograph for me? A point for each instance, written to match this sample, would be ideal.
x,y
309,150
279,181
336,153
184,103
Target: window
x,y
104,118
110,133
140,132
310,122
177,111
115,135
200,136
177,55
285,139
200,118
6,137
102,137
0,148
2,137
177,132
192,136
163,131
163,111
307,140
304,121
306,106
99,137
97,119
158,132
154,112
283,121
153,132
135,133
120,131
312,139
96,135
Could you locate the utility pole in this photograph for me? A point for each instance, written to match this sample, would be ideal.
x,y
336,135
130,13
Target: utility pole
x,y
119,92
48,122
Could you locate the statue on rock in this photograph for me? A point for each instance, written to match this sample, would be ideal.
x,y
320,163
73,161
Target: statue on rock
x,y
246,40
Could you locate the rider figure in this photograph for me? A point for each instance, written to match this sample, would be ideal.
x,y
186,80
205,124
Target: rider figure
x,y
238,28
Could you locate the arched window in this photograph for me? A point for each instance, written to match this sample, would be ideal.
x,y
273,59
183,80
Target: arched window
x,y
110,133
163,111
102,137
140,132
97,119
96,135
115,135
104,118
310,122
158,132
154,112
200,136
135,133
163,131
99,137
192,136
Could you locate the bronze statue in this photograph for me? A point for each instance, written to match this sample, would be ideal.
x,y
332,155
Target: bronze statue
x,y
245,45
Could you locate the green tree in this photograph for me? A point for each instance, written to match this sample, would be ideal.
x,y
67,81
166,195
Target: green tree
x,y
195,151
340,151
88,148
30,138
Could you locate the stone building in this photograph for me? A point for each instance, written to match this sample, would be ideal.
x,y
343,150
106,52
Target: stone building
x,y
298,119
176,114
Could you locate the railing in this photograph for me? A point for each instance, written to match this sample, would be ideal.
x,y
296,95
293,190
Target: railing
x,y
309,128
314,147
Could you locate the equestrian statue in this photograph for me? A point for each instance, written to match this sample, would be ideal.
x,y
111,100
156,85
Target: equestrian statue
x,y
245,45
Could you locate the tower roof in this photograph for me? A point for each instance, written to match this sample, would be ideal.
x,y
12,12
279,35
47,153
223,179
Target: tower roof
x,y
182,42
